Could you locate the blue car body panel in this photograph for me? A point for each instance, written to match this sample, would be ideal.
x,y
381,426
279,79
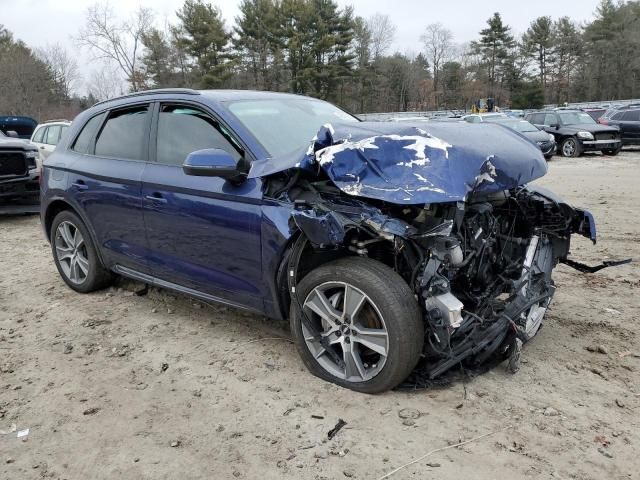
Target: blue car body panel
x,y
430,163
208,237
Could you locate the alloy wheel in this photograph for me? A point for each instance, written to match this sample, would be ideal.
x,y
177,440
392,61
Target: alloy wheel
x,y
351,325
71,252
569,148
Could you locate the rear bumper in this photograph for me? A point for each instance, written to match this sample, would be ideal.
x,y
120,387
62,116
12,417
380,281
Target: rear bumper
x,y
22,187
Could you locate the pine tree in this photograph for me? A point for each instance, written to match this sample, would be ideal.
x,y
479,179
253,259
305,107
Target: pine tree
x,y
539,41
203,36
494,46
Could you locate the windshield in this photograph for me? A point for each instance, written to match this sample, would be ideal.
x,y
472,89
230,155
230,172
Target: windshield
x,y
576,118
518,125
284,125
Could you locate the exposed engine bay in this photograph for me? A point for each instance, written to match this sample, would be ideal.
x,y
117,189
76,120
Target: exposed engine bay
x,y
480,268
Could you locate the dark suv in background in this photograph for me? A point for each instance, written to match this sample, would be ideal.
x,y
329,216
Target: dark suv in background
x,y
628,122
577,132
19,173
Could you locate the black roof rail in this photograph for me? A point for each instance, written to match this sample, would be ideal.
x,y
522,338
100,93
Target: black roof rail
x,y
183,91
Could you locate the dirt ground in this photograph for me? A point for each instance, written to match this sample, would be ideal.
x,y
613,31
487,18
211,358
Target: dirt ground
x,y
115,385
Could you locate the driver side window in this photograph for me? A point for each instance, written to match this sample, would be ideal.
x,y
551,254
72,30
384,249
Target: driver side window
x,y
550,119
184,129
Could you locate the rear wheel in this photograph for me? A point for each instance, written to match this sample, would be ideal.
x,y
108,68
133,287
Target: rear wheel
x,y
570,147
364,329
75,254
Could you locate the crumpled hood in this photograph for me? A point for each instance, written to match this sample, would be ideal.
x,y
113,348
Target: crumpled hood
x,y
430,163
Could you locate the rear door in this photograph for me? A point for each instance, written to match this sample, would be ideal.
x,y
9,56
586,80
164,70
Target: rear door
x,y
105,180
203,232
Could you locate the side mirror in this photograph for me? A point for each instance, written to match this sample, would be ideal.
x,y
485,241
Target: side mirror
x,y
213,162
12,134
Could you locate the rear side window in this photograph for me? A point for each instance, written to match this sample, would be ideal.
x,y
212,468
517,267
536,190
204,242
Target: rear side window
x,y
537,118
123,134
84,140
39,135
182,130
53,135
617,116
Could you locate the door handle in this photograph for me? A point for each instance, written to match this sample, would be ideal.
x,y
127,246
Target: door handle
x,y
156,198
80,185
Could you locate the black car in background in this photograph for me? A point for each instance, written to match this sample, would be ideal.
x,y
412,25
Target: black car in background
x,y
628,122
545,141
576,132
19,172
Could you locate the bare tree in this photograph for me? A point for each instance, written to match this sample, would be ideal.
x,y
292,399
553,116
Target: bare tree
x,y
105,83
115,41
63,67
382,32
439,48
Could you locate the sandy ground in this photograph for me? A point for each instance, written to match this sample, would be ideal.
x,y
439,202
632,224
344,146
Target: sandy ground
x,y
114,385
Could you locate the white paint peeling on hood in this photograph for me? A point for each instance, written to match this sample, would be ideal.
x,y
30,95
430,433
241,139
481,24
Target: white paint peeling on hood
x,y
420,143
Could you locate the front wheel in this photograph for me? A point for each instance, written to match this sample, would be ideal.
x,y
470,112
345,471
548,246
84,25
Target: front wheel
x,y
364,328
570,148
75,254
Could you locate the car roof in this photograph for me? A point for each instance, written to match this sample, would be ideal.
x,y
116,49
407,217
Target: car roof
x,y
222,95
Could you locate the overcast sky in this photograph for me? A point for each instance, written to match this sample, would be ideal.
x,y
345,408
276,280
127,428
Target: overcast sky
x,y
39,22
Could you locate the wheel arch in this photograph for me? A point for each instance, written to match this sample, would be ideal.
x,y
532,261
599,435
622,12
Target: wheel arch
x,y
58,205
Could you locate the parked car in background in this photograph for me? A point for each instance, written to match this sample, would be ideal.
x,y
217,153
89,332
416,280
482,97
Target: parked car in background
x,y
19,172
576,132
628,122
17,126
595,113
483,117
514,113
545,141
47,135
386,244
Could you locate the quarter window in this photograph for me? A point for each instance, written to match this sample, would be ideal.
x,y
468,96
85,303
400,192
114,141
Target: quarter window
x,y
183,129
123,134
84,140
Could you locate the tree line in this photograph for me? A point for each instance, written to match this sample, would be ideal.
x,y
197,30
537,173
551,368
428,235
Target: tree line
x,y
316,48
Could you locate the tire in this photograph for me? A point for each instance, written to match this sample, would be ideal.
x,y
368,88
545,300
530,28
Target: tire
x,y
612,152
570,148
389,307
75,256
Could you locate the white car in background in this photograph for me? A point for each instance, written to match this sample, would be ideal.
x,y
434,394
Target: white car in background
x,y
47,135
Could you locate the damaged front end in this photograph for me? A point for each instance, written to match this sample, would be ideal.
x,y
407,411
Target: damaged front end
x,y
475,244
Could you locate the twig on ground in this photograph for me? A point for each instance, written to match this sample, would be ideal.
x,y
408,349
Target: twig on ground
x,y
475,439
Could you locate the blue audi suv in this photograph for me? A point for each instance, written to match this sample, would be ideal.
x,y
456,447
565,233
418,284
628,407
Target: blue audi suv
x,y
398,252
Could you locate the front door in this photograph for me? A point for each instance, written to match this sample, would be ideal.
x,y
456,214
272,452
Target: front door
x,y
203,232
